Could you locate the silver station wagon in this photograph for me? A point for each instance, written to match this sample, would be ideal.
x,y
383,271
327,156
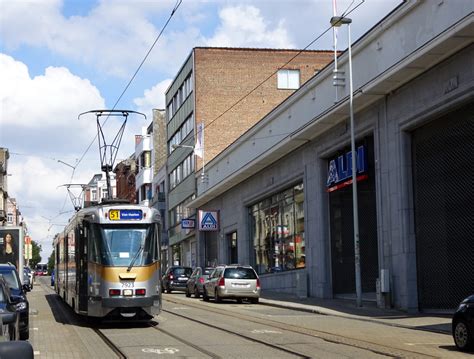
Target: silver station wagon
x,y
232,282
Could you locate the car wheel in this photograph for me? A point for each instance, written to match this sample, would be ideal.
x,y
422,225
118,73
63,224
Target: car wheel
x,y
187,292
217,297
462,336
196,292
205,297
254,300
25,335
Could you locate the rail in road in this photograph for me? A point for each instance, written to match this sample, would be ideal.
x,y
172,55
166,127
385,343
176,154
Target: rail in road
x,y
375,348
191,328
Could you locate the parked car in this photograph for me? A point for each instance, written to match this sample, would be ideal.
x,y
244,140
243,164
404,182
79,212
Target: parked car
x,y
175,278
26,281
31,275
195,283
9,318
14,350
233,282
463,325
18,297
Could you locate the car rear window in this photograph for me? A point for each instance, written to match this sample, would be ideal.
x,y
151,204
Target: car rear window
x,y
240,273
208,271
183,271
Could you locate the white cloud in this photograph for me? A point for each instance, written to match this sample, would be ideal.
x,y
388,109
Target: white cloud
x,y
52,99
152,98
244,26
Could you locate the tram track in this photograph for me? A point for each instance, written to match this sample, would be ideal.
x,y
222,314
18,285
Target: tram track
x,y
66,316
247,337
373,347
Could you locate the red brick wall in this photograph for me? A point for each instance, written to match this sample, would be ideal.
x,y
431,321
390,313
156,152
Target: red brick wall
x,y
223,76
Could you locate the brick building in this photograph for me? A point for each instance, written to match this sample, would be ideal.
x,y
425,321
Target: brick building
x,y
226,91
125,179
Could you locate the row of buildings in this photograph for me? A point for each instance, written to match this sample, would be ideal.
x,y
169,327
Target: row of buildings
x,y
10,214
275,171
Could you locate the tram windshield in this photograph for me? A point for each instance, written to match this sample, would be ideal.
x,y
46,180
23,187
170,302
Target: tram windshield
x,y
118,245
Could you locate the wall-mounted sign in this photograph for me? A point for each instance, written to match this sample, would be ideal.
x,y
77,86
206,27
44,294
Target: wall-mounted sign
x,y
208,220
340,170
188,223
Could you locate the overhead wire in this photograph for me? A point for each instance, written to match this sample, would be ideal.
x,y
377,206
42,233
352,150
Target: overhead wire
x,y
178,3
175,8
346,12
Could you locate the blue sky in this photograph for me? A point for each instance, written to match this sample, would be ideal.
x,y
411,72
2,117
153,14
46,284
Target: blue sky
x,y
59,58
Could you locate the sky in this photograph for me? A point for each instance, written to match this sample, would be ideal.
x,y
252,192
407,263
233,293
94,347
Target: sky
x,y
60,58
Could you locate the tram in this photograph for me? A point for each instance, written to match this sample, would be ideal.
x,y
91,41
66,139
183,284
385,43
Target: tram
x,y
107,261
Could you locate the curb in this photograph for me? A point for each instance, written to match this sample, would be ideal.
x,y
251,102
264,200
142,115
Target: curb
x,y
322,311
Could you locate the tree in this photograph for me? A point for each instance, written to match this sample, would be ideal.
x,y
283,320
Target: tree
x,y
36,257
51,262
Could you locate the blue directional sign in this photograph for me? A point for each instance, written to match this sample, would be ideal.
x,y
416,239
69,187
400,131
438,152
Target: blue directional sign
x,y
208,220
188,223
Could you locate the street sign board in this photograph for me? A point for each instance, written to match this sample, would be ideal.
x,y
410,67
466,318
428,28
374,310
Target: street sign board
x,y
208,220
188,223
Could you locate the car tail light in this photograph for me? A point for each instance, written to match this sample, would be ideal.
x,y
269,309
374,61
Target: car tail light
x,y
221,282
201,280
258,283
140,291
114,292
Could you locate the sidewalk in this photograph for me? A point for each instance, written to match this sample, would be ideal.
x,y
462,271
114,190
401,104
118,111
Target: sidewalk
x,y
368,312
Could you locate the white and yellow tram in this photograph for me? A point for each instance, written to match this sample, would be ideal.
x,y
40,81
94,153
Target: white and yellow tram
x,y
107,262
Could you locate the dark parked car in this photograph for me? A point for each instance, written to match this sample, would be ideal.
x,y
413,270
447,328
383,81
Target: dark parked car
x,y
195,283
175,278
463,325
14,350
18,297
9,318
26,281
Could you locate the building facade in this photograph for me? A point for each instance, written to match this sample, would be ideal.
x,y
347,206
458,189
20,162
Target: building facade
x,y
125,172
144,163
218,94
96,190
286,203
159,183
4,156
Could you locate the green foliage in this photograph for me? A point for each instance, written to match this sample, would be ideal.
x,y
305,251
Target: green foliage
x,y
36,257
51,263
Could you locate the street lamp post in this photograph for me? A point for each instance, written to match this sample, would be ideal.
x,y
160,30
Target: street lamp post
x,y
338,21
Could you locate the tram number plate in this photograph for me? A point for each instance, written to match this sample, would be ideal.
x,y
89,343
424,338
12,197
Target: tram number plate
x,y
127,284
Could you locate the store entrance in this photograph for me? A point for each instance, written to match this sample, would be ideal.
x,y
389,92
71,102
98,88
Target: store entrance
x,y
342,234
444,221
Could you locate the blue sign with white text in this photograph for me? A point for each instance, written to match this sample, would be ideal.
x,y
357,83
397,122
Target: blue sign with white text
x,y
340,168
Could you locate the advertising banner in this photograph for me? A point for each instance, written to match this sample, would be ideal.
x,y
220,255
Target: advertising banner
x,y
10,249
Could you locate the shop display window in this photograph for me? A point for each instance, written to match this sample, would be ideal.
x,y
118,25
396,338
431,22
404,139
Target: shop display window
x,y
278,231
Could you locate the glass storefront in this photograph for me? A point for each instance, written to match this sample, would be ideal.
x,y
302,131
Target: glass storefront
x,y
277,225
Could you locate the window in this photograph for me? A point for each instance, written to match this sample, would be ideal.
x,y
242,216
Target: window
x,y
289,79
278,231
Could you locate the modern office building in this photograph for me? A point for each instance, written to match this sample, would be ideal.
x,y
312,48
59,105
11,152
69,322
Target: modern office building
x,y
285,202
223,91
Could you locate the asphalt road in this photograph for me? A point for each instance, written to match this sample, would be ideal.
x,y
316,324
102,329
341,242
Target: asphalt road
x,y
192,328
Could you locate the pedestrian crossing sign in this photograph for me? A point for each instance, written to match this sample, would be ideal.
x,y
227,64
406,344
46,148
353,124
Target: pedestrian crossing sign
x,y
208,220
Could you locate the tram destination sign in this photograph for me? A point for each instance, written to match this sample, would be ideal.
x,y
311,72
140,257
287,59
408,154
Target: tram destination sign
x,y
125,214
